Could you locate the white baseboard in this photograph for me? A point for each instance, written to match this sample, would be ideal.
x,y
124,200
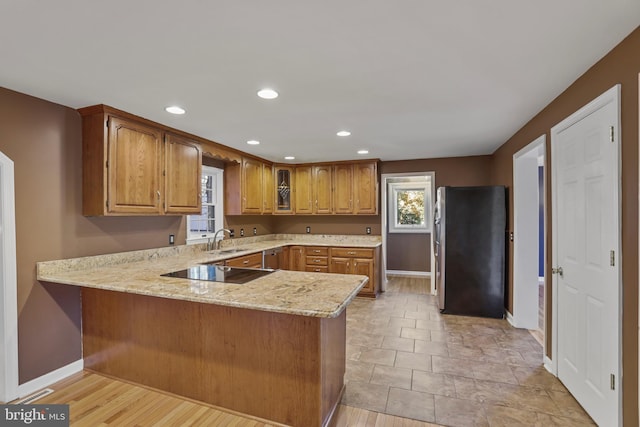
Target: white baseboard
x,y
509,317
548,365
404,273
52,377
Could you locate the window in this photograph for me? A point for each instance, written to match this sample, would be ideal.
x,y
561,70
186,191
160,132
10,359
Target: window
x,y
201,227
409,207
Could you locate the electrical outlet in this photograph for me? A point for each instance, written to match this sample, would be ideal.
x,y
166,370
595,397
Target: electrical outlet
x,y
172,239
255,231
232,233
308,229
368,230
242,232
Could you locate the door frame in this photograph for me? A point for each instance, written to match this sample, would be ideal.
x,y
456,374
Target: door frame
x,y
384,220
610,96
522,190
8,284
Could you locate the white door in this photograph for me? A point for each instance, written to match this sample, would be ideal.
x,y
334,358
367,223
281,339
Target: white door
x,y
587,257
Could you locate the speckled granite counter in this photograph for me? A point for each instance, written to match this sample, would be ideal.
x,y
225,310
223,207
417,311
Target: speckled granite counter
x,y
273,348
290,292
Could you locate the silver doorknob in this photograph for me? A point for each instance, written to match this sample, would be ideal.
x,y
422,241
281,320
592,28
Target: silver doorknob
x,y
558,271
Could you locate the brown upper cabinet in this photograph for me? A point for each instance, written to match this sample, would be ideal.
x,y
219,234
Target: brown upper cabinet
x,y
183,170
343,188
322,189
283,183
303,190
365,188
254,187
249,188
132,167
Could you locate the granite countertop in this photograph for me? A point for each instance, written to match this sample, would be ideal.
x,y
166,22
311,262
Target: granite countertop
x,y
290,292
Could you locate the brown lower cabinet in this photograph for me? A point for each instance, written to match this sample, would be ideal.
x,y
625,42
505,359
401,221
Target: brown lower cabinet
x,y
341,260
356,261
247,261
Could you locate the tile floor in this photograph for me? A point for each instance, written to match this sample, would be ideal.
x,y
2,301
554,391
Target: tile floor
x,y
405,358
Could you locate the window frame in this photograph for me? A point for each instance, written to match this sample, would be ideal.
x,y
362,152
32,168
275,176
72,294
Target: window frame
x,y
200,237
394,227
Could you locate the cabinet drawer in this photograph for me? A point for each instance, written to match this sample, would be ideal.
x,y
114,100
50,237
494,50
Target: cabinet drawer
x,y
317,260
318,269
249,261
352,252
319,251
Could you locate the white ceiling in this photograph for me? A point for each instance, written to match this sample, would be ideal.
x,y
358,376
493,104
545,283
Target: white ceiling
x,y
409,78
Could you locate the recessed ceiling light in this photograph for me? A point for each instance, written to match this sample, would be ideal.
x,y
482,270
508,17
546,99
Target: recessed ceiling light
x,y
289,158
174,109
343,133
363,151
267,93
253,142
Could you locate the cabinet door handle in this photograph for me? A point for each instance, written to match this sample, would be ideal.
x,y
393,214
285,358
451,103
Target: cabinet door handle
x,y
245,262
316,251
316,260
351,253
158,194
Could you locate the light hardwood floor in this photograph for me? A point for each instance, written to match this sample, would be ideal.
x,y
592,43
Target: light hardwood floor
x,y
96,400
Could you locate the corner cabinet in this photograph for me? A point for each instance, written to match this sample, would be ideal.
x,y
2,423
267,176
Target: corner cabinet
x,y
131,167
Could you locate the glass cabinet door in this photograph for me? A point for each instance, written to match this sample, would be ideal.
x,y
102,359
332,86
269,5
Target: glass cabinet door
x,y
283,190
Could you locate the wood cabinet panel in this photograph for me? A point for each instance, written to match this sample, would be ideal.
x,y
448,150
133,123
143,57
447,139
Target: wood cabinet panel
x,y
268,189
365,187
322,189
134,166
343,189
283,368
183,171
252,186
303,190
247,261
297,259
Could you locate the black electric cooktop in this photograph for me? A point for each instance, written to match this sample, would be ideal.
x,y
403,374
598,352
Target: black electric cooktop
x,y
219,273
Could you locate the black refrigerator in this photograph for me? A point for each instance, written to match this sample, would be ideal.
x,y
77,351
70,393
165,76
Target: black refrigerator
x,y
470,239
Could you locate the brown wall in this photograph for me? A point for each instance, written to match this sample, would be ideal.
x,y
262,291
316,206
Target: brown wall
x,y
621,65
44,141
457,171
409,252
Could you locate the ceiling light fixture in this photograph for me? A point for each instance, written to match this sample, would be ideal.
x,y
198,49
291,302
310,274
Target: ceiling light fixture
x,y
253,142
174,109
343,133
289,158
267,93
363,151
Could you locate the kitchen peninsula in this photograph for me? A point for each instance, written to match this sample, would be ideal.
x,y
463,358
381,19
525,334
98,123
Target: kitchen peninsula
x,y
273,347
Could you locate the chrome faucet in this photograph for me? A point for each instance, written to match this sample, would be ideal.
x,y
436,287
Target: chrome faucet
x,y
215,236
